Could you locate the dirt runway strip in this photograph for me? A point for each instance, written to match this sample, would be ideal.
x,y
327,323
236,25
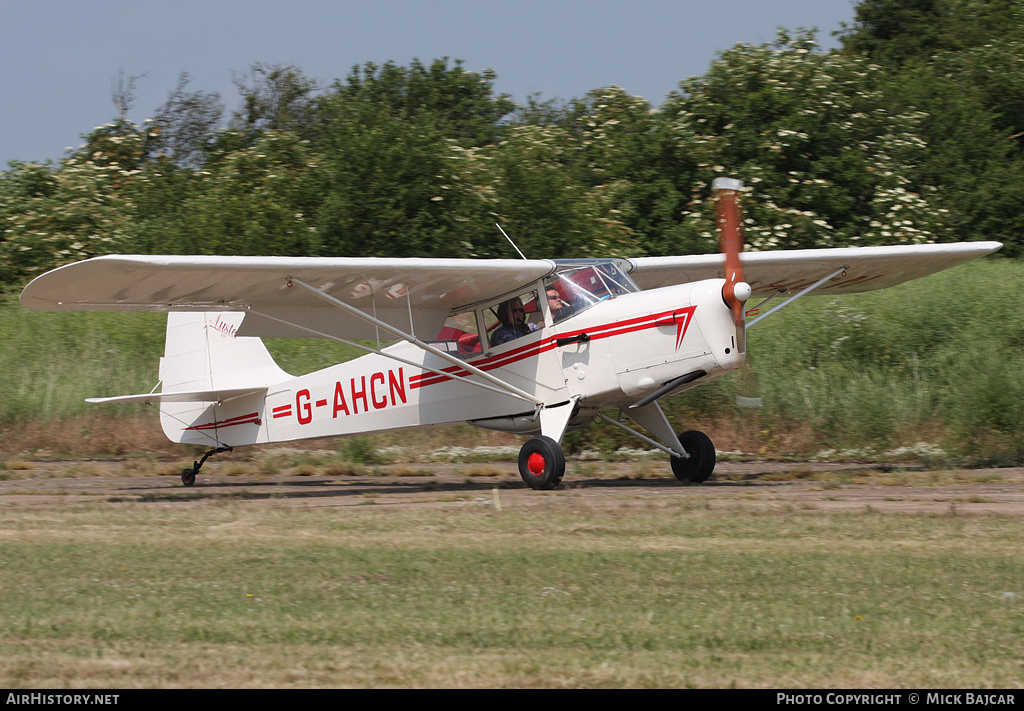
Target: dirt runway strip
x,y
818,486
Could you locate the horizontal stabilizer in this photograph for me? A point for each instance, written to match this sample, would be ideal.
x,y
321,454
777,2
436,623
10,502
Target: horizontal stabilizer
x,y
184,396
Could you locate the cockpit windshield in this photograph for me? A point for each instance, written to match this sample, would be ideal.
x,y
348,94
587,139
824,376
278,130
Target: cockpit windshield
x,y
579,284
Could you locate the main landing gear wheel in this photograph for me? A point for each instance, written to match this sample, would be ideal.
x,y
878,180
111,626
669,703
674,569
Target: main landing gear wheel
x,y
698,468
188,477
541,463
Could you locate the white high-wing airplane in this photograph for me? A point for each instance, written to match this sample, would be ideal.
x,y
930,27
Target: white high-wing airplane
x,y
533,346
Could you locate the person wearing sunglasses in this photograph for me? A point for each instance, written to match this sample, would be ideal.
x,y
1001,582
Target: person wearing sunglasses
x,y
560,308
512,316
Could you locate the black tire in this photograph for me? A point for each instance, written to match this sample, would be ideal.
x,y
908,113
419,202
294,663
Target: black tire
x,y
698,468
541,463
188,477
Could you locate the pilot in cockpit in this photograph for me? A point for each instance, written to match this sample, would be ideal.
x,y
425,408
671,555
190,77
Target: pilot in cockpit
x,y
560,309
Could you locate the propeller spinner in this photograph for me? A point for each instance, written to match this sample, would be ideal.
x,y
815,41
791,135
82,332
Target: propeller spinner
x,y
736,291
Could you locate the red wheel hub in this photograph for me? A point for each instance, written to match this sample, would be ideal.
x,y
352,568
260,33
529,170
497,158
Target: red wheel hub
x,y
536,463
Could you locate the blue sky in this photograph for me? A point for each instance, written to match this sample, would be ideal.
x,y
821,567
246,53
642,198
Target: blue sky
x,y
61,57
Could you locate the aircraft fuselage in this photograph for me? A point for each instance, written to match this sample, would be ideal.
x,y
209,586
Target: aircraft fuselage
x,y
610,355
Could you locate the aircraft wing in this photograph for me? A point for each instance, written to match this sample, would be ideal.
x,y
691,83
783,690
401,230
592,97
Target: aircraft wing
x,y
418,294
411,294
867,268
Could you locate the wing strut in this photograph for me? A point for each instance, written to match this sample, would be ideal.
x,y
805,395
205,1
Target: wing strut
x,y
793,298
654,443
500,384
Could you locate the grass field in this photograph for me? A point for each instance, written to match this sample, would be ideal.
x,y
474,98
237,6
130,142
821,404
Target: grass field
x,y
612,585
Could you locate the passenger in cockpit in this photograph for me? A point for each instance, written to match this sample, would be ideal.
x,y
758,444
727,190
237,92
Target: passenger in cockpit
x,y
512,316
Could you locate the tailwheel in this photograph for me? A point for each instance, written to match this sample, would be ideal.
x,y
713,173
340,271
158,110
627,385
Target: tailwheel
x,y
701,464
188,476
541,463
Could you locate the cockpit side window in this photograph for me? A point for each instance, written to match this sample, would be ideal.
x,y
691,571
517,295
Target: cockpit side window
x,y
459,335
613,280
580,285
559,295
512,318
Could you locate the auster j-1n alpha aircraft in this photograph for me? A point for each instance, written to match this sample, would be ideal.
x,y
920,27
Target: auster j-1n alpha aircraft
x,y
533,346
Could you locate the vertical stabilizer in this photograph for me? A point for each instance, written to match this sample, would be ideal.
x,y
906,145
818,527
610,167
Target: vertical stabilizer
x,y
202,353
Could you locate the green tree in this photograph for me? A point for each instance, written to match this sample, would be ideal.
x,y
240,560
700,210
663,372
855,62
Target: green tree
x,y
529,184
977,171
975,45
80,209
258,200
960,64
826,161
623,154
386,143
461,104
275,97
897,32
184,125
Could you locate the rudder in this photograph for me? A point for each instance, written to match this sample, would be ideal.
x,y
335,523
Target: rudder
x,y
202,353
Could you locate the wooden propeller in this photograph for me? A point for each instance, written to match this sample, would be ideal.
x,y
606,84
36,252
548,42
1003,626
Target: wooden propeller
x,y
736,291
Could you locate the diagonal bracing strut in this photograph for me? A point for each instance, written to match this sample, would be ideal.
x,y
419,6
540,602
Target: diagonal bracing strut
x,y
503,387
793,298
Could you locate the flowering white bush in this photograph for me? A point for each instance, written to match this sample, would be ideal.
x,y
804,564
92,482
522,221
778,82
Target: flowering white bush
x,y
825,163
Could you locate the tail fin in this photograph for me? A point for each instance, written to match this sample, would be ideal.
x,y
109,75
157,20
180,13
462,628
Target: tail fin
x,y
202,353
223,380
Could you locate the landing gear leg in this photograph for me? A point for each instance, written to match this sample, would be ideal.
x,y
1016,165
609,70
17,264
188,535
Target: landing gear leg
x,y
188,476
698,468
541,463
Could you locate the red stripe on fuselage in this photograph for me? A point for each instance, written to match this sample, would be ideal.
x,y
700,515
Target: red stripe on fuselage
x,y
531,350
252,418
